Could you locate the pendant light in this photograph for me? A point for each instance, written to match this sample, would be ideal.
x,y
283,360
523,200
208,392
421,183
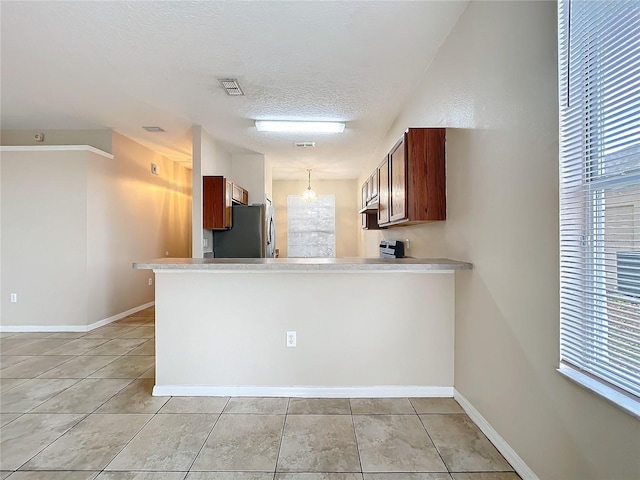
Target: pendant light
x,y
309,195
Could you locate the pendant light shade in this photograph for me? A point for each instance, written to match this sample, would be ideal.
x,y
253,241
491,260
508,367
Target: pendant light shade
x,y
309,195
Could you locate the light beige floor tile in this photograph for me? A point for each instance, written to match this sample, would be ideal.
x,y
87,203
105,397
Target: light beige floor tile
x,y
25,436
32,393
71,335
91,444
141,476
54,475
272,406
132,322
486,476
6,418
78,346
8,344
80,367
8,334
117,346
319,406
381,406
194,405
436,405
318,443
34,366
151,373
395,443
4,474
140,332
229,476
318,476
83,397
242,443
135,398
407,476
8,383
8,360
38,347
462,445
109,332
33,334
125,367
147,348
167,442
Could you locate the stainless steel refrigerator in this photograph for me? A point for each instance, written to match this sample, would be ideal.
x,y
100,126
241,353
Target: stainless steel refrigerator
x,y
252,234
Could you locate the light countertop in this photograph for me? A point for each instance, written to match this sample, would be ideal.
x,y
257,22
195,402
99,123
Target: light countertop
x,y
305,264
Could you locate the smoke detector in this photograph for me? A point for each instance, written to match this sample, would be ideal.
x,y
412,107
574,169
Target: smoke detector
x,y
231,86
305,144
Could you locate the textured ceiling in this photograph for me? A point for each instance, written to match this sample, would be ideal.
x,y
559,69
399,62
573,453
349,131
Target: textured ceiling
x,y
124,65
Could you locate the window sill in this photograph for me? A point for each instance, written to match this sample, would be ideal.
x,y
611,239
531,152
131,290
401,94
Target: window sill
x,y
622,401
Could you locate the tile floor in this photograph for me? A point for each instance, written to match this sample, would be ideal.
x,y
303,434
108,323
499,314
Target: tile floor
x,y
77,406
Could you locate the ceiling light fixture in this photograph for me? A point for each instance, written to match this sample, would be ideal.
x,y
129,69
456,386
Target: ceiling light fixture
x,y
299,127
305,144
153,129
309,195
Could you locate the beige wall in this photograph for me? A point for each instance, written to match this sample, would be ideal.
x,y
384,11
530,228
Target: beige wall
x,y
74,221
495,80
44,237
132,216
348,342
347,219
100,139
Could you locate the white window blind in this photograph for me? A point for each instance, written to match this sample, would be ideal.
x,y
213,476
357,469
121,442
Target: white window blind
x,y
599,62
311,227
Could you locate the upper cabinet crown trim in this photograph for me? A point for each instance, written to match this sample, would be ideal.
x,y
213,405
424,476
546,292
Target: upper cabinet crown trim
x,y
52,148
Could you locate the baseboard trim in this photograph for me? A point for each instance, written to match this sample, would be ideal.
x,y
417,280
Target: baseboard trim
x,y
73,328
299,392
119,316
500,443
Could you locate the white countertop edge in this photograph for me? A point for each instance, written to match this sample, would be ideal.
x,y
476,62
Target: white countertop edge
x,y
49,148
303,265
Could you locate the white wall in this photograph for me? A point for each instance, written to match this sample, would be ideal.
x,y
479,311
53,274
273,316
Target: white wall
x,y
495,80
74,222
249,172
209,158
100,139
347,220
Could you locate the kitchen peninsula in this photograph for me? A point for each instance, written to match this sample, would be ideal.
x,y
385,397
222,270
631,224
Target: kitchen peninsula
x,y
361,326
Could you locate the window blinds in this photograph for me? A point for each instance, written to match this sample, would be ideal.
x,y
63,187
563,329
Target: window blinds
x,y
599,67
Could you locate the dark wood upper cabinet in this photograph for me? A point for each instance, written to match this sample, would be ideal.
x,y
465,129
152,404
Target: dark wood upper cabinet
x,y
217,194
383,193
415,179
240,195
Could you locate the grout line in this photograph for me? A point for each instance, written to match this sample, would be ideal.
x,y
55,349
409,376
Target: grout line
x,y
205,440
434,444
284,424
355,436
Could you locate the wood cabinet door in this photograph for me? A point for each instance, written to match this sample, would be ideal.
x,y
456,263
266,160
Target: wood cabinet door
x,y
363,216
383,193
373,185
228,203
398,182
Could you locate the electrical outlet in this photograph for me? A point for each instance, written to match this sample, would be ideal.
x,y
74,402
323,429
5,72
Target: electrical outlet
x,y
14,298
205,242
38,137
154,169
291,339
166,253
407,244
150,281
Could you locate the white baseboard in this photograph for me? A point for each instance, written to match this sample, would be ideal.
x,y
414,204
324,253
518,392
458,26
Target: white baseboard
x,y
119,316
73,328
300,392
500,443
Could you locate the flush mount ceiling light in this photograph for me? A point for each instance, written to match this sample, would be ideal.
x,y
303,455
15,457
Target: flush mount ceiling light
x,y
305,144
231,86
309,195
153,129
299,127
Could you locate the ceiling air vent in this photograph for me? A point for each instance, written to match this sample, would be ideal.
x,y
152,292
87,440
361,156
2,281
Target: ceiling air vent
x,y
231,86
305,144
154,129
